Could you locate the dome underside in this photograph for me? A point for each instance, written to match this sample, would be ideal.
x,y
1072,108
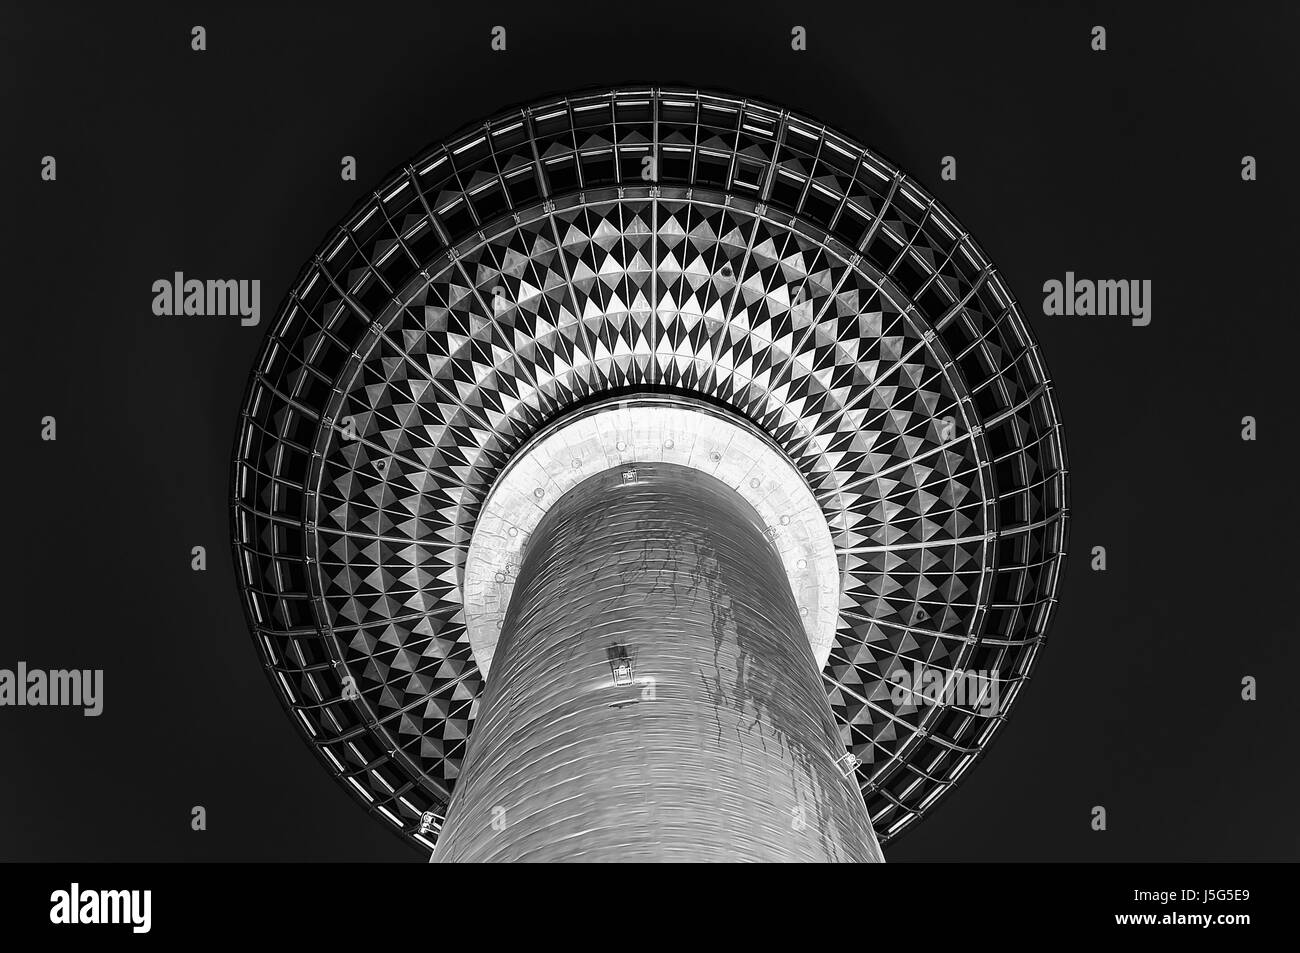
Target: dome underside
x,y
768,266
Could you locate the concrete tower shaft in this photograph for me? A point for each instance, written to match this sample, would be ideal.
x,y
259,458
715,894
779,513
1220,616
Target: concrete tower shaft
x,y
653,694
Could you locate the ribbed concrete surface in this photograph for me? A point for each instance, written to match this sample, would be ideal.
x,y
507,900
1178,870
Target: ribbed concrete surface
x,y
723,745
622,432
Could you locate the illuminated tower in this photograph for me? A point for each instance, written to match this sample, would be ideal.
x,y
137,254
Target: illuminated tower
x,y
608,466
653,694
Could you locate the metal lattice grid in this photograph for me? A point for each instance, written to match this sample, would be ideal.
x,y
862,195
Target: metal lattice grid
x,y
771,266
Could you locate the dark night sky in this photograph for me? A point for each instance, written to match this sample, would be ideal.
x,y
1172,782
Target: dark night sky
x,y
1123,164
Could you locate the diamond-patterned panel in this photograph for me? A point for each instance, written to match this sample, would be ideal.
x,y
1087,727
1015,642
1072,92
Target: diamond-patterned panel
x,y
802,282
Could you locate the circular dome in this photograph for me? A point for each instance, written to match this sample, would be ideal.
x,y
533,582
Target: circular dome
x,y
630,242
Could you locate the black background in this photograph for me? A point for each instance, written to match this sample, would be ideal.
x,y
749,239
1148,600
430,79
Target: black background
x,y
225,163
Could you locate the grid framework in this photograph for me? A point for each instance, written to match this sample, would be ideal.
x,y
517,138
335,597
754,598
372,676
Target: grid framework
x,y
530,264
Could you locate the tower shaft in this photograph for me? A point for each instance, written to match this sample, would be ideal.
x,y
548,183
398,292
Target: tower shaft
x,y
653,694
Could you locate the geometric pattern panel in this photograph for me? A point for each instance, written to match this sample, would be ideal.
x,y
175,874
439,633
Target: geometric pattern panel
x,y
646,241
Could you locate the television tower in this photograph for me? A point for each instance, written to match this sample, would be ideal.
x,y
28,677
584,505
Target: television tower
x,y
611,473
